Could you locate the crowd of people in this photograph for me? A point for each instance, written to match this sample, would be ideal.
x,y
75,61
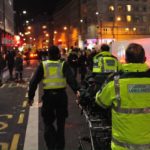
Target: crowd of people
x,y
124,88
11,60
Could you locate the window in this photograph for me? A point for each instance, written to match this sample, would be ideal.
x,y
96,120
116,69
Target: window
x,y
111,18
118,18
137,19
120,8
128,18
134,29
144,18
144,8
126,29
111,8
136,8
149,29
128,7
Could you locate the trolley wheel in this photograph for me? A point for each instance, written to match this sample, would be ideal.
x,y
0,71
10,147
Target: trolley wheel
x,y
80,147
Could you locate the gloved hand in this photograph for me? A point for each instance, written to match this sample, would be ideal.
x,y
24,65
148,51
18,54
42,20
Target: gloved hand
x,y
30,102
78,97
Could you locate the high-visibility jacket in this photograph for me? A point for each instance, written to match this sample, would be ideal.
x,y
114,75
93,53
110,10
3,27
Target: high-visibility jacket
x,y
53,75
104,62
129,96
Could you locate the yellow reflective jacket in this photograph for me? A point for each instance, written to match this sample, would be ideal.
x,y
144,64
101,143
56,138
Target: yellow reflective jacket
x,y
104,62
53,75
129,96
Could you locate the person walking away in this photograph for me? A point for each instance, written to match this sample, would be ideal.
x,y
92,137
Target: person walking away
x,y
128,94
54,74
27,56
104,63
2,65
73,61
82,61
18,67
10,58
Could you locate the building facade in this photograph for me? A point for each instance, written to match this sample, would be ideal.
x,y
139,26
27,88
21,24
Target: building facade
x,y
6,23
99,21
66,22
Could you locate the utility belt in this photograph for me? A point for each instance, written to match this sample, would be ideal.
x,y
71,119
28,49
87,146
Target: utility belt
x,y
54,91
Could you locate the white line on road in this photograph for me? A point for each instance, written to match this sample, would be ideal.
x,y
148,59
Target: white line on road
x,y
3,86
31,138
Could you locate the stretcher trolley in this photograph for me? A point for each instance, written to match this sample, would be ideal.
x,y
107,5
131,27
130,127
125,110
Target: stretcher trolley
x,y
99,126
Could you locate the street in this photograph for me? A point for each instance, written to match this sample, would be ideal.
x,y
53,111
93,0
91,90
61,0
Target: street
x,y
21,127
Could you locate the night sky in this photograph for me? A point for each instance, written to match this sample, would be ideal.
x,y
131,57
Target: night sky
x,y
35,7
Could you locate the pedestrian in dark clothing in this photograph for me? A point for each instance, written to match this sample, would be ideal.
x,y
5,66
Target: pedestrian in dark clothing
x,y
27,56
54,73
82,61
10,58
90,59
19,67
2,65
73,62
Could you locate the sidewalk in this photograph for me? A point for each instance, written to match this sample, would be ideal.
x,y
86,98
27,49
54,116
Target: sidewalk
x,y
5,75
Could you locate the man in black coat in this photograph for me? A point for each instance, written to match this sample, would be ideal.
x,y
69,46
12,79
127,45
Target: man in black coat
x,y
10,58
54,74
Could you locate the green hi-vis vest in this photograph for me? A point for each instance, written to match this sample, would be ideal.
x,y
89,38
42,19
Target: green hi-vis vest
x,y
53,75
104,62
129,96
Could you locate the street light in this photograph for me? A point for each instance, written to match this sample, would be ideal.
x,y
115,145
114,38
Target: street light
x,y
24,12
27,21
65,28
55,32
99,22
29,27
81,20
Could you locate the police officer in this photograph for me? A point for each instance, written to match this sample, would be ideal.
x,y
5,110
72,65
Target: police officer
x,y
54,73
128,94
104,63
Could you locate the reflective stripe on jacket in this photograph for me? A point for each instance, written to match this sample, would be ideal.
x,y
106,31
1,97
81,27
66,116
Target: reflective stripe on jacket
x,y
104,62
53,75
129,96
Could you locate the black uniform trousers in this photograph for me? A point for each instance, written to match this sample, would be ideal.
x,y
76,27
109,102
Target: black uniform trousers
x,y
54,112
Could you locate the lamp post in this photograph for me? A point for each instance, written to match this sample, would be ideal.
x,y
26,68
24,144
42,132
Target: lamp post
x,y
4,25
99,26
21,20
67,35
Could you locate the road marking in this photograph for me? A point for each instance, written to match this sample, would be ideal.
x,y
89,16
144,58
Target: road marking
x,y
31,138
4,146
3,86
26,95
14,143
3,132
24,104
7,115
21,118
10,85
14,85
3,125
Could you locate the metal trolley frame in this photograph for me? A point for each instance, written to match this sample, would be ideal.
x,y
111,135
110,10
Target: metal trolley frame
x,y
99,132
